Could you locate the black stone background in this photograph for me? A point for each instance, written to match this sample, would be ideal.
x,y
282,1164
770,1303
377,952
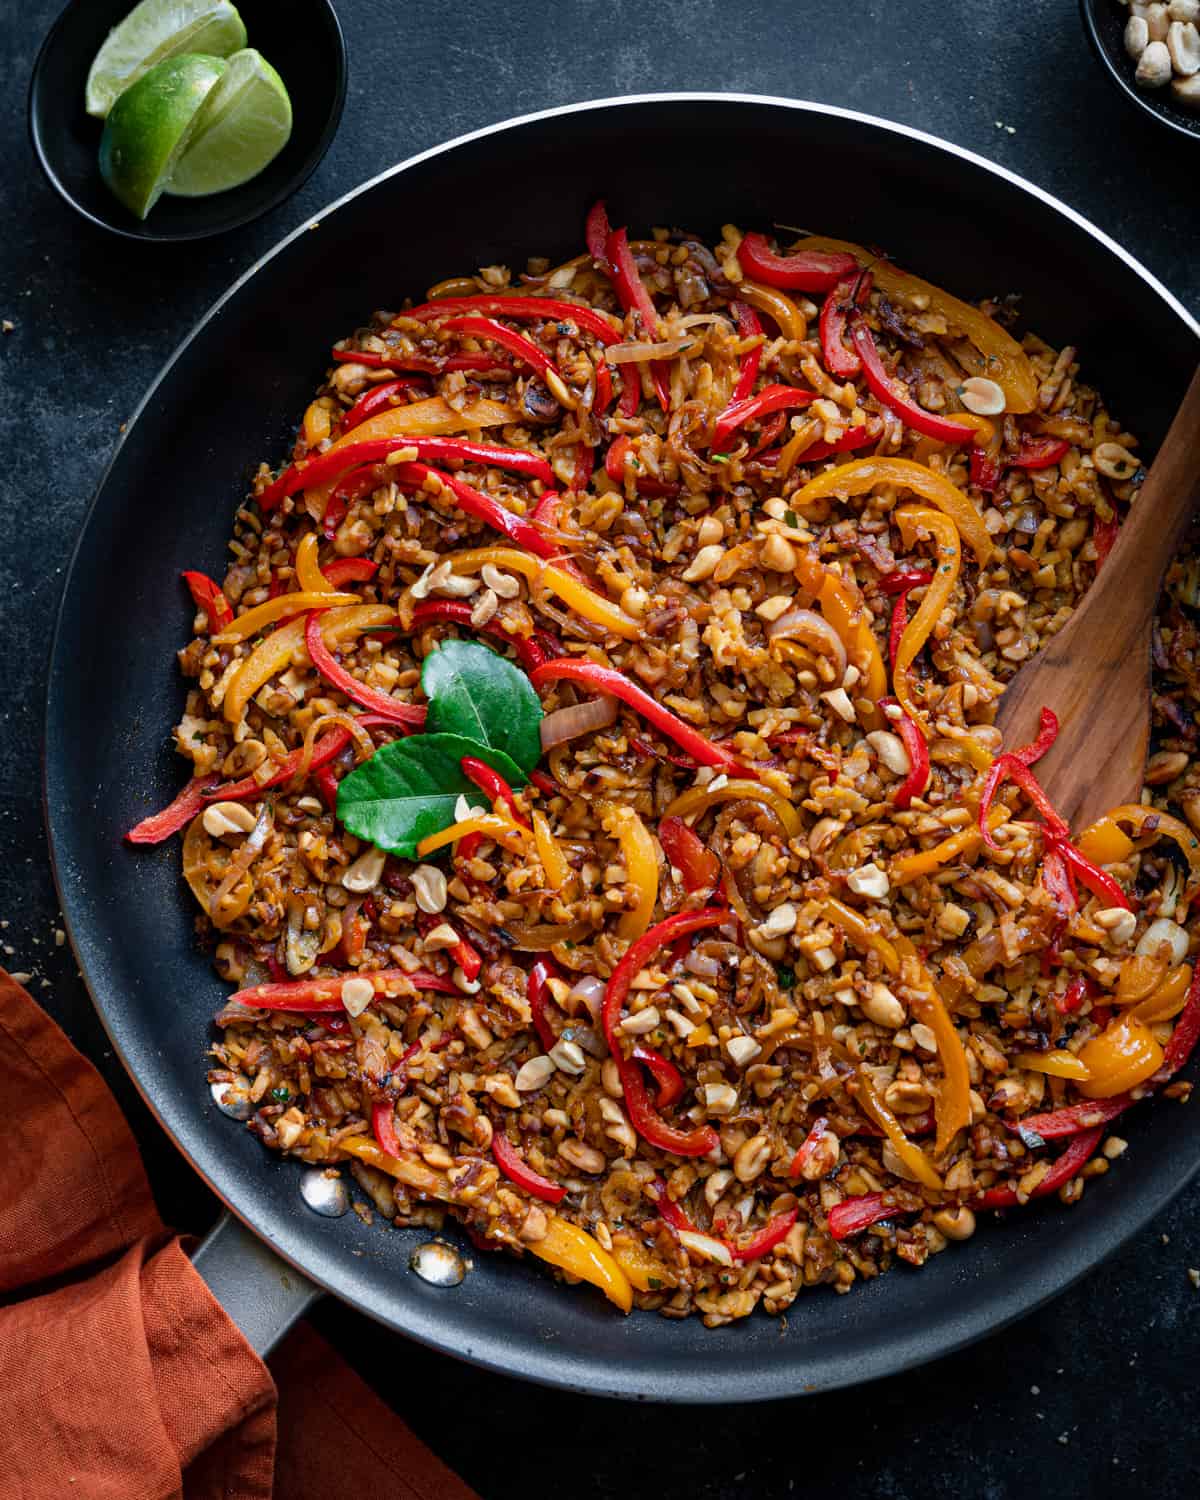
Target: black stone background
x,y
1095,1395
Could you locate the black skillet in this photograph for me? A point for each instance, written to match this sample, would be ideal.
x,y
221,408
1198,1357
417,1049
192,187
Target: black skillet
x,y
231,395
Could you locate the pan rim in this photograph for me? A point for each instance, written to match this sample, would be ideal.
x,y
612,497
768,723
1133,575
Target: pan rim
x,y
556,1368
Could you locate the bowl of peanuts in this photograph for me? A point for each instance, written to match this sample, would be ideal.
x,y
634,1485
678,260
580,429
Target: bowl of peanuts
x,y
1151,50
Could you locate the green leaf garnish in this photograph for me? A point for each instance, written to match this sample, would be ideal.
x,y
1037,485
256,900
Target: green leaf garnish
x,y
477,694
408,789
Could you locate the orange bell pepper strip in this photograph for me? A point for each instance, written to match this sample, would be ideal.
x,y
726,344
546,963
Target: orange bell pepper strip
x,y
280,608
499,830
937,596
576,595
1105,841
909,1153
906,868
1059,1063
308,572
575,1251
895,950
641,865
996,353
699,799
864,474
842,605
777,305
1122,1056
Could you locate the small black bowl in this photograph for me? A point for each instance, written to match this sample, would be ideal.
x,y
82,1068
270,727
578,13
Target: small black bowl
x,y
301,39
1104,22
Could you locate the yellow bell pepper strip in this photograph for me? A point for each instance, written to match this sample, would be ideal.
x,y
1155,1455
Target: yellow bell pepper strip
x,y
877,1111
280,608
408,1169
699,799
954,1103
863,474
1122,1056
574,1251
777,305
340,626
308,573
267,660
575,594
317,423
590,674
1000,357
1141,975
645,1270
549,852
1168,999
641,864
937,596
842,605
499,830
1059,1063
1099,841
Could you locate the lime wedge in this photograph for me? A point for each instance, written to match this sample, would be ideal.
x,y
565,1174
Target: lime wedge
x,y
149,126
242,125
154,31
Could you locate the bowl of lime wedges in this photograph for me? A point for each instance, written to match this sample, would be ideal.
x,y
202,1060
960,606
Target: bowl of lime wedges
x,y
179,119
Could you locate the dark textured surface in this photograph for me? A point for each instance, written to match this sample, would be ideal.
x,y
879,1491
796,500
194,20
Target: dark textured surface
x,y
94,319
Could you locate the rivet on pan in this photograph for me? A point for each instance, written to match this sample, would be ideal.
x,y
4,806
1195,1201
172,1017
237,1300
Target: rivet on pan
x,y
237,1109
323,1194
438,1264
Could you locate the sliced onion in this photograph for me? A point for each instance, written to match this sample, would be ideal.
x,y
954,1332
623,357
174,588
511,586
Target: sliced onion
x,y
235,1012
578,718
541,937
705,1245
240,864
810,629
625,354
703,964
588,992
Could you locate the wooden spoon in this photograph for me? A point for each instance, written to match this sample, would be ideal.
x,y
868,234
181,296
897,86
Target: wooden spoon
x,y
1095,673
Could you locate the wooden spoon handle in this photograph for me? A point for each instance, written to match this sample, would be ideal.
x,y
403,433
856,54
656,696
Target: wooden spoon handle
x,y
1129,583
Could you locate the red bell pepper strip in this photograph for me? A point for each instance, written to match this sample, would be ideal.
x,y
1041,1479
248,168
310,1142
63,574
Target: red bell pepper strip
x,y
774,1232
585,462
1077,1154
1186,1033
517,1170
383,1125
770,399
1046,735
1059,881
668,1210
633,297
879,382
639,953
536,990
699,866
850,292
852,438
748,326
426,364
343,570
665,1074
1101,884
1070,1000
805,271
378,398
411,715
485,508
351,487
853,1215
313,997
463,954
529,652
984,471
1039,453
604,389
206,595
901,584
596,231
523,309
545,784
1002,768
916,747
607,680
650,1125
325,749
177,815
645,484
809,1146
1104,538
631,392
1034,1129
508,338
768,433
492,785
327,785
337,461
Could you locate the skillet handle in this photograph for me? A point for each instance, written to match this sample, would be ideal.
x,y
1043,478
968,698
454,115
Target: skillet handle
x,y
259,1290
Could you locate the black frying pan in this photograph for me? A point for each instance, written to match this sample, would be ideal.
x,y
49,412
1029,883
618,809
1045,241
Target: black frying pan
x,y
231,395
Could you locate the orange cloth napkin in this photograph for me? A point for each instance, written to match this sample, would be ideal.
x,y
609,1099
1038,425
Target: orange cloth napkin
x,y
121,1378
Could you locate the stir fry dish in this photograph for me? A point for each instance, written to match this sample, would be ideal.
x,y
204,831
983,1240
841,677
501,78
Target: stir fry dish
x,y
596,800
